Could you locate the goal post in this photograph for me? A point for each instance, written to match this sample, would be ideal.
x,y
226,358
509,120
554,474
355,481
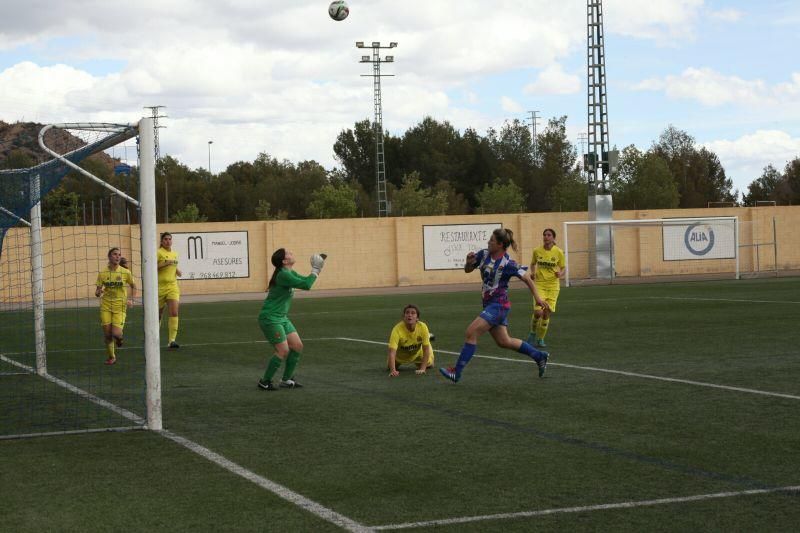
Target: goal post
x,y
652,249
52,377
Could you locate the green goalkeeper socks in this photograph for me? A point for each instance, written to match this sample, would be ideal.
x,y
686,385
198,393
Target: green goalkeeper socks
x,y
272,367
291,363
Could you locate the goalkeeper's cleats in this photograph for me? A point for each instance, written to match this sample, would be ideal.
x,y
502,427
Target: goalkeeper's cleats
x,y
111,360
266,385
541,362
289,384
173,345
450,373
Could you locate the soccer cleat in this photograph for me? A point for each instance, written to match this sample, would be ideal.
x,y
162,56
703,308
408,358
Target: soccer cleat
x,y
540,343
432,337
289,384
450,373
111,360
118,342
173,345
541,362
266,385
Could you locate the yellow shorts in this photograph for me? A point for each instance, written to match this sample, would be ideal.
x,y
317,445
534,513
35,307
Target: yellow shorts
x,y
115,318
415,358
548,295
168,291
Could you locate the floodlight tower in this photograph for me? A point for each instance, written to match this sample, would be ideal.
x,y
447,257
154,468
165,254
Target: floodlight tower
x,y
380,163
156,114
599,161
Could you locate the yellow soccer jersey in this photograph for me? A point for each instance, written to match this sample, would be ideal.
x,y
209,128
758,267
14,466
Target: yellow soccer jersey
x,y
115,284
409,343
548,264
167,274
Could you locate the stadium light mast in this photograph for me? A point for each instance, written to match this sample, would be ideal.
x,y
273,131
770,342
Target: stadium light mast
x,y
209,156
534,118
380,163
599,161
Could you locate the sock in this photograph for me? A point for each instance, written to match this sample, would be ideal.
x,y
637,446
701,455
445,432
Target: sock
x,y
173,328
541,327
272,367
291,363
467,351
110,349
531,338
530,351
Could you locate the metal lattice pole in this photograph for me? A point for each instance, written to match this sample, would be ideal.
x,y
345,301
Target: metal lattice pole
x,y
155,115
380,162
597,125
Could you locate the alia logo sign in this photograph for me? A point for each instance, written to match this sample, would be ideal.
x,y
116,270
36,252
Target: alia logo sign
x,y
699,239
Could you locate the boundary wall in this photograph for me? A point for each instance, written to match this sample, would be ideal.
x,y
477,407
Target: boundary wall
x,y
371,252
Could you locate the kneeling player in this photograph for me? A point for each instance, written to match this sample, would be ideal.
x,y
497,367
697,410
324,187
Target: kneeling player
x,y
410,342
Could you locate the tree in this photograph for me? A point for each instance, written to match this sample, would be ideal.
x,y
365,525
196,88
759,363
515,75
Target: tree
x,y
556,160
501,197
791,176
190,213
412,200
60,208
643,181
571,193
354,149
333,201
764,188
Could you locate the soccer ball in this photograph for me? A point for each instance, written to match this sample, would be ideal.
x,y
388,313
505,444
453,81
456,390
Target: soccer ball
x,y
338,10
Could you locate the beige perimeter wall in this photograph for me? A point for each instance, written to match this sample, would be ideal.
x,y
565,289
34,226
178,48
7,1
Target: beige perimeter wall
x,y
388,252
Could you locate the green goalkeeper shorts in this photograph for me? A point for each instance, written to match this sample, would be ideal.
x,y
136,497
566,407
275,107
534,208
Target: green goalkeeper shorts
x,y
276,332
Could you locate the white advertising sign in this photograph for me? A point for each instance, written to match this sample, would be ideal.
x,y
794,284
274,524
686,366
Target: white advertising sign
x,y
702,240
446,247
212,255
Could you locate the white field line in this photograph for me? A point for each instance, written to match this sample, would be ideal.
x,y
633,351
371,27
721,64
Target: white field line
x,y
608,371
583,509
279,490
732,300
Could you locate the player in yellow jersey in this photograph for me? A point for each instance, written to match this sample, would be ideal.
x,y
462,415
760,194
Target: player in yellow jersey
x,y
112,285
547,264
410,342
168,292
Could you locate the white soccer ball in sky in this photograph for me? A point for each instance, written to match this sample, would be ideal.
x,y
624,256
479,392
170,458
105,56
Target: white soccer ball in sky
x,y
338,10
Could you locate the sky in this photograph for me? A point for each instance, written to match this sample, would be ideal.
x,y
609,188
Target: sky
x,y
284,79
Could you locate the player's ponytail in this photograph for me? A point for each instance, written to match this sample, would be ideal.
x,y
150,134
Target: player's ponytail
x,y
277,262
505,238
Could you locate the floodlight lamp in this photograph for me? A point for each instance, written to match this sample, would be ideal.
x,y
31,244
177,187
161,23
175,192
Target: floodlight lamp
x,y
389,59
392,45
359,44
365,59
375,44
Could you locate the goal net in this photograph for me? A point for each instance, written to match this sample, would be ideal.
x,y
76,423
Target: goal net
x,y
650,249
52,347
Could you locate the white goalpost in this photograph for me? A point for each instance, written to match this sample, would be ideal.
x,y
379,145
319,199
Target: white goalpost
x,y
645,249
52,377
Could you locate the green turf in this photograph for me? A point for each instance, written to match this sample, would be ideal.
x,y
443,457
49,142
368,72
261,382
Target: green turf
x,y
389,451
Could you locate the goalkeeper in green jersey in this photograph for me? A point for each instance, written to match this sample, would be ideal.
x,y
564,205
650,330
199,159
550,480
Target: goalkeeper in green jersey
x,y
274,320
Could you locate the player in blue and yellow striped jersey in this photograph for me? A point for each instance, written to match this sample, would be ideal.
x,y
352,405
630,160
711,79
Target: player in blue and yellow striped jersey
x,y
547,263
112,287
497,269
168,292
409,343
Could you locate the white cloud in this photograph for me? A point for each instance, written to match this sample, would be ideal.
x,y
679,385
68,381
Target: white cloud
x,y
553,80
510,105
726,15
712,88
666,22
745,157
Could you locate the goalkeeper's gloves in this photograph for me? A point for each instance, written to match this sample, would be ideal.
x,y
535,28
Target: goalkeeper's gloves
x,y
317,262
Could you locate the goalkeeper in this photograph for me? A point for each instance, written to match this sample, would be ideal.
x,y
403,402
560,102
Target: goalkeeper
x,y
410,342
274,321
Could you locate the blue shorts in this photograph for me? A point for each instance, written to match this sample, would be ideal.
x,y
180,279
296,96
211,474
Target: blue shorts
x,y
495,315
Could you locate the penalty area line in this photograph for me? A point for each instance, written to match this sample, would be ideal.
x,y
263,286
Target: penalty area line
x,y
618,372
587,508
